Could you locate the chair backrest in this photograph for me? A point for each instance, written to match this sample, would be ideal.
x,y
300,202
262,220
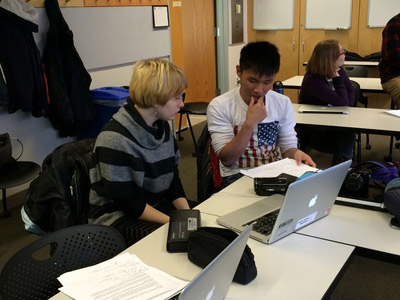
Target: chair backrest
x,y
356,71
358,96
32,272
357,92
80,185
209,179
58,197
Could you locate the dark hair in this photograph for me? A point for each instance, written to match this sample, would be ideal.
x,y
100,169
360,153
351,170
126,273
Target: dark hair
x,y
260,57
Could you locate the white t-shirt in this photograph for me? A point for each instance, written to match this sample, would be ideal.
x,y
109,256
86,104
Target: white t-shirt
x,y
273,136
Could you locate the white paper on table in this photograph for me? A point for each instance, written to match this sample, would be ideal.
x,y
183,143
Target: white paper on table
x,y
394,112
287,165
124,277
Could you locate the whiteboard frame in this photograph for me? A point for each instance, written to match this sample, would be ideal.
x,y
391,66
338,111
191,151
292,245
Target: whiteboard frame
x,y
328,15
273,14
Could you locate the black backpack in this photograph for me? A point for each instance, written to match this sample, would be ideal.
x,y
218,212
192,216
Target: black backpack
x,y
59,196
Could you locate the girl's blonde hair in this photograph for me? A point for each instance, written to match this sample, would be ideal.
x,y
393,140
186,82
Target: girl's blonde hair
x,y
155,81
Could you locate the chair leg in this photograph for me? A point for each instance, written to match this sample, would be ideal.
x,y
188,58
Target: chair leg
x,y
194,154
6,213
180,138
367,145
358,143
389,157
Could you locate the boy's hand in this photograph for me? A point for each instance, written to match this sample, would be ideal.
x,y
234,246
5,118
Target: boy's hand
x,y
256,112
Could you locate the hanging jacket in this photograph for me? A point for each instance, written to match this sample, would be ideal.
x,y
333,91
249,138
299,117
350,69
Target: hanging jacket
x,y
4,101
68,81
20,58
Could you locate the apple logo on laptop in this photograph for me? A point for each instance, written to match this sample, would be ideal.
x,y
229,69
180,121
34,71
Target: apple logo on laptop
x,y
210,293
313,201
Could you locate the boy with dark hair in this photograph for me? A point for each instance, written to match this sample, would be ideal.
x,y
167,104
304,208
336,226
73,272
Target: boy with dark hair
x,y
252,125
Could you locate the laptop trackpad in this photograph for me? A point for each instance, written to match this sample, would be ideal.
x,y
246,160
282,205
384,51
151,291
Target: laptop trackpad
x,y
253,211
270,203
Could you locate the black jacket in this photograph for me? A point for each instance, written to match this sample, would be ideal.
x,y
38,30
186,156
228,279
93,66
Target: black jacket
x,y
68,81
20,60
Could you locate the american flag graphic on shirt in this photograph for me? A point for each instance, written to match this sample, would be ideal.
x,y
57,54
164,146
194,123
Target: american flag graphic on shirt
x,y
262,147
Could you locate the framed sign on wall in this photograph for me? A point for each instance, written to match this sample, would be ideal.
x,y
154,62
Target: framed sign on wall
x,y
160,16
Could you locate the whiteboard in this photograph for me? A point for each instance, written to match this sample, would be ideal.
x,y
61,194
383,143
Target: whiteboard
x,y
381,11
273,14
328,14
111,36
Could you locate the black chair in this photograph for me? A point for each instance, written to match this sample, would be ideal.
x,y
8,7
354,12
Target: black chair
x,y
21,173
357,96
191,108
209,179
359,71
58,197
32,272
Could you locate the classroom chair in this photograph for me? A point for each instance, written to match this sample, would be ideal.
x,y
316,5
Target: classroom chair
x,y
191,108
22,172
32,272
359,71
209,180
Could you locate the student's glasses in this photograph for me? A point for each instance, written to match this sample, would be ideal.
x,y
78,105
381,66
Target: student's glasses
x,y
344,51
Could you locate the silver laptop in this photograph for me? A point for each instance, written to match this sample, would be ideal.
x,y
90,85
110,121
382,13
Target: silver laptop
x,y
213,282
318,109
306,201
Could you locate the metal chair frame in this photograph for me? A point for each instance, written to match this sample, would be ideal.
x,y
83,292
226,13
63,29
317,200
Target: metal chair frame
x,y
22,172
191,108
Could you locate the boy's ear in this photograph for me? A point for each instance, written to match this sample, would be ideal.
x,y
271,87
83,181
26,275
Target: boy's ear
x,y
238,71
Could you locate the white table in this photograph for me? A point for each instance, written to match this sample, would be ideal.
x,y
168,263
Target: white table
x,y
364,120
357,227
296,267
353,226
367,85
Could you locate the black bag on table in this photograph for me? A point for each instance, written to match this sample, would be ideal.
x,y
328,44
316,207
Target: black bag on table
x,y
205,243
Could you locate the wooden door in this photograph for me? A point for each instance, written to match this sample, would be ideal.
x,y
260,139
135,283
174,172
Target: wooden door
x,y
310,37
287,42
193,46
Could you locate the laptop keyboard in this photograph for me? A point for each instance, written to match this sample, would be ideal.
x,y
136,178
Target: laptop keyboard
x,y
265,224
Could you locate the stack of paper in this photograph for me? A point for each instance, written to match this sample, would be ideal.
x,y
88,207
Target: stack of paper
x,y
287,165
122,277
394,112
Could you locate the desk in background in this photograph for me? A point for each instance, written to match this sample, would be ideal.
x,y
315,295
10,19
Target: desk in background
x,y
373,64
367,85
361,119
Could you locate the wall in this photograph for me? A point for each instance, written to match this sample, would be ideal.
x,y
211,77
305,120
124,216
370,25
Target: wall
x,y
111,66
234,49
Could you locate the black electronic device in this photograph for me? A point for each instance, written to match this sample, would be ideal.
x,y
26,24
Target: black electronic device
x,y
272,185
181,223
